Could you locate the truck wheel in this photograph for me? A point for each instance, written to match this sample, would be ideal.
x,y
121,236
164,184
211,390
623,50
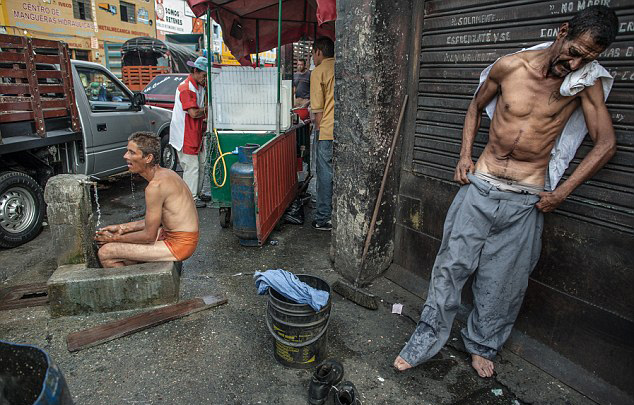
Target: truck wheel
x,y
21,209
168,153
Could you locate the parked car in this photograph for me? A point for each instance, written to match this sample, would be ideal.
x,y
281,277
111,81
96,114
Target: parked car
x,y
75,117
160,92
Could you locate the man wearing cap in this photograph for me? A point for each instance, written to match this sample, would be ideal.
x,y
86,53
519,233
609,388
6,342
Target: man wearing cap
x,y
187,127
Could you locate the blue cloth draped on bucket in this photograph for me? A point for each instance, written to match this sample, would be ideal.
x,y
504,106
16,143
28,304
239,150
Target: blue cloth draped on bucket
x,y
287,284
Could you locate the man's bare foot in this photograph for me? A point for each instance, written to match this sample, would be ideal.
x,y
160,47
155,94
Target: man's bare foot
x,y
400,364
483,366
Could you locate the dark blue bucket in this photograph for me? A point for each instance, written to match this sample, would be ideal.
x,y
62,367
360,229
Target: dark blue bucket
x,y
28,376
243,196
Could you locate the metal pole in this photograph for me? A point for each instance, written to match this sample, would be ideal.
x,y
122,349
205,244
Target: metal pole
x,y
279,76
210,115
257,43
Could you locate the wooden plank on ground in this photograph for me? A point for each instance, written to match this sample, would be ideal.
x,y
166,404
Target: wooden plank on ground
x,y
22,296
113,330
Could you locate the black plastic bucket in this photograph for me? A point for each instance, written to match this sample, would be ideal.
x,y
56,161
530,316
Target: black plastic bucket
x,y
28,376
300,332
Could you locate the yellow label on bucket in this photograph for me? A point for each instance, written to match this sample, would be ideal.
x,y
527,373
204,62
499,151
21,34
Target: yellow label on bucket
x,y
285,351
292,338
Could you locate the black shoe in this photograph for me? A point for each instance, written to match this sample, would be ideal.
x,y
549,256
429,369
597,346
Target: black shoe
x,y
306,197
199,203
204,197
327,374
346,394
326,226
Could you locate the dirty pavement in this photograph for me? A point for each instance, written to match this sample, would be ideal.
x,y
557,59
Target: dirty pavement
x,y
224,355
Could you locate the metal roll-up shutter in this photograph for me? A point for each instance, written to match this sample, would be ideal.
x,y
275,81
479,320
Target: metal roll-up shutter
x,y
462,37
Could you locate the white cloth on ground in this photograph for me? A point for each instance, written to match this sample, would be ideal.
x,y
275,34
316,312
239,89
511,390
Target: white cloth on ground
x,y
575,129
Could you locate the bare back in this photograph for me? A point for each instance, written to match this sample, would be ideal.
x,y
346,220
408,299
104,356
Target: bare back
x,y
178,211
529,115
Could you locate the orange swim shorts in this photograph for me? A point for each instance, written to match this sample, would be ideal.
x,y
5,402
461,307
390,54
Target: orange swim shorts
x,y
181,244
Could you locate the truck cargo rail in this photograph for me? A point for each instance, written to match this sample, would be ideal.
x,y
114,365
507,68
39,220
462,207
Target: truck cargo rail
x,y
31,89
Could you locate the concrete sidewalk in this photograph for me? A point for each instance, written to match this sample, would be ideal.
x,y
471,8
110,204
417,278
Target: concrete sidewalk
x,y
225,355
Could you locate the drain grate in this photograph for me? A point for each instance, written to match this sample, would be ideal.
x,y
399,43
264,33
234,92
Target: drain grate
x,y
22,296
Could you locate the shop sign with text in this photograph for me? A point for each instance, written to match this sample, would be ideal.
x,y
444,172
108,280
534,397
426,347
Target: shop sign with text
x,y
55,18
171,17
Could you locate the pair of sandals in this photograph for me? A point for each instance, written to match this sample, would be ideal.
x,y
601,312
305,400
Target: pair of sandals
x,y
326,378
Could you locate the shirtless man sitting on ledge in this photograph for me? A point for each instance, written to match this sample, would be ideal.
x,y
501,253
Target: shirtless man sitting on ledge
x,y
494,225
169,231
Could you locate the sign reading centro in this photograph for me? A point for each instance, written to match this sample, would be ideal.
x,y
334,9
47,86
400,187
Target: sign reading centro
x,y
33,16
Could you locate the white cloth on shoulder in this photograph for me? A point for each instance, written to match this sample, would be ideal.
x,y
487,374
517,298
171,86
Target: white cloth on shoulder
x,y
575,129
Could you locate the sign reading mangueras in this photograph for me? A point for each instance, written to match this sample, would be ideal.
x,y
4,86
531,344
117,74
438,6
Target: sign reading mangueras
x,y
34,15
170,17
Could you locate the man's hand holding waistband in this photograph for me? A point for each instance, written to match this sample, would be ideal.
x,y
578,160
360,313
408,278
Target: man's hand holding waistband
x,y
550,200
465,165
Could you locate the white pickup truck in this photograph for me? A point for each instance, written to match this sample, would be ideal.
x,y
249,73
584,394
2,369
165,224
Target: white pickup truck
x,y
60,116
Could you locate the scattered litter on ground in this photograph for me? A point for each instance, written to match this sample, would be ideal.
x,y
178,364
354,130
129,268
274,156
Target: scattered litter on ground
x,y
236,275
273,243
381,379
397,308
497,392
515,402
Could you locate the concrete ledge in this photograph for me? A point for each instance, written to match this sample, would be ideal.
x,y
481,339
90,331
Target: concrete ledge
x,y
74,289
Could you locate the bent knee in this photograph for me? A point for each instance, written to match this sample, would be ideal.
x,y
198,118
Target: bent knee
x,y
105,252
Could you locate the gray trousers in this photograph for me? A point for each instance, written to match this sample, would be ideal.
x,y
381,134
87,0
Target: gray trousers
x,y
499,234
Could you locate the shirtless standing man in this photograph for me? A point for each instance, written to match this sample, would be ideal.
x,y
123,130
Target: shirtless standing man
x,y
169,231
495,222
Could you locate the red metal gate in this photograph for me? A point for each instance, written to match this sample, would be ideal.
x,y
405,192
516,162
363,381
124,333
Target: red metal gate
x,y
275,172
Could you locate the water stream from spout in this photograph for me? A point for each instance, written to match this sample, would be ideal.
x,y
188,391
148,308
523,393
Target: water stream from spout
x,y
98,206
133,195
